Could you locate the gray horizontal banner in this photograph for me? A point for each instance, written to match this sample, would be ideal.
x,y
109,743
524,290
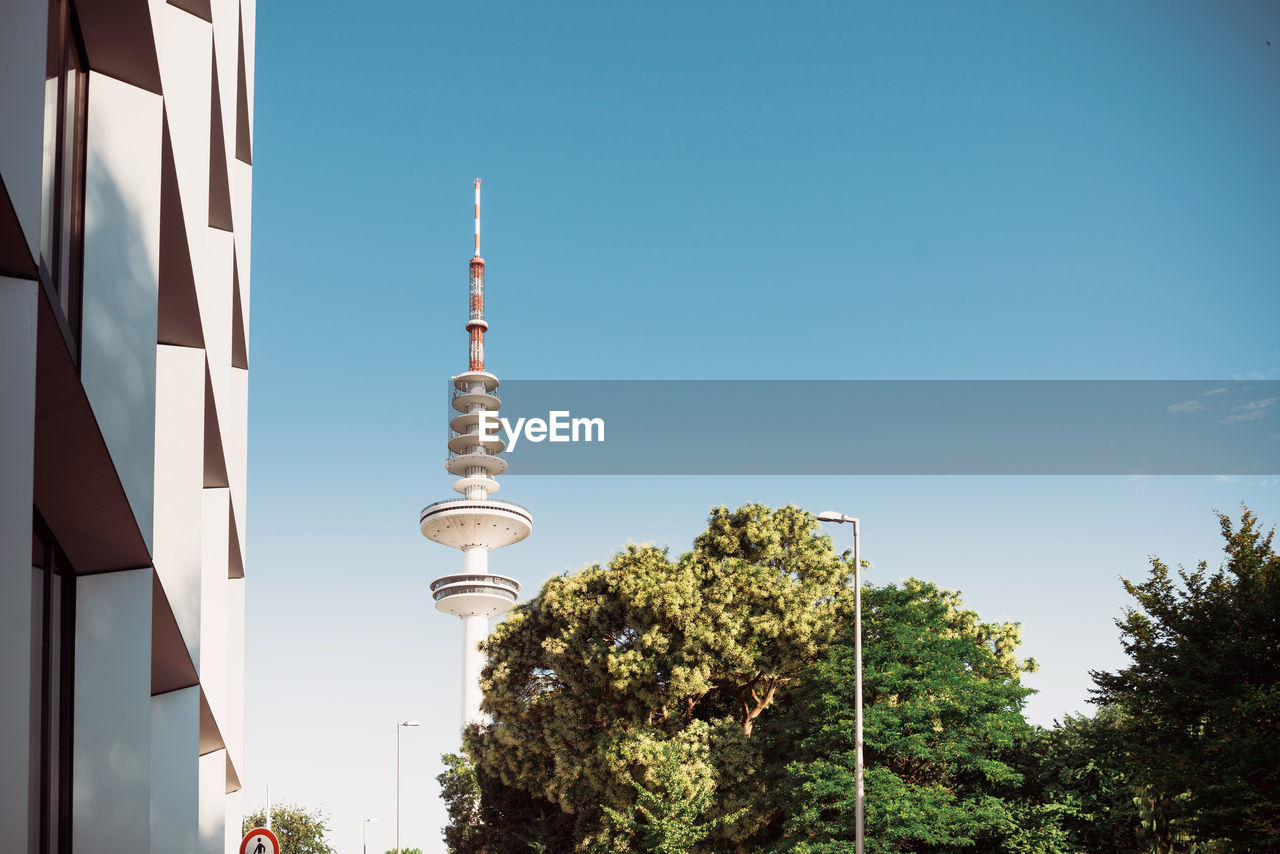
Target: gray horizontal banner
x,y
810,427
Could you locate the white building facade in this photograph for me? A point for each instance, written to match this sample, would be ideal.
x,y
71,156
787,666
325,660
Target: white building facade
x,y
125,181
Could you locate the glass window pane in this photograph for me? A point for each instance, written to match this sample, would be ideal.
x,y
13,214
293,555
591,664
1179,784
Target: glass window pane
x,y
53,71
70,184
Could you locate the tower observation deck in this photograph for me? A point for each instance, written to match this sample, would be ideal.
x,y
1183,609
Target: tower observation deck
x,y
477,522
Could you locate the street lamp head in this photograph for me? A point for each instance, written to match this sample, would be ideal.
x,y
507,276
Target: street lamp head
x,y
832,516
410,723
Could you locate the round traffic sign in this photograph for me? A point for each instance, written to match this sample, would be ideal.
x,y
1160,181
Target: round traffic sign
x,y
260,841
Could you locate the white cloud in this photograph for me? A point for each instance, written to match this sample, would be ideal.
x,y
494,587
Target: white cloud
x,y
1251,411
1244,416
1186,406
1219,390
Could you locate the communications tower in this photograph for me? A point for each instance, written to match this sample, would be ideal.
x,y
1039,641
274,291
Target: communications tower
x,y
477,523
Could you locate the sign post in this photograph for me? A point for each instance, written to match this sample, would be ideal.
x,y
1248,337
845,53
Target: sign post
x,y
260,840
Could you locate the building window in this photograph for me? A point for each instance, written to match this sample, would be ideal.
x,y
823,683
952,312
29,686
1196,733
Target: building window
x,y
53,671
66,103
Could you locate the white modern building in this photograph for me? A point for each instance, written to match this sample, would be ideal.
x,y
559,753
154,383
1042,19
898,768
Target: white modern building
x,y
126,133
477,523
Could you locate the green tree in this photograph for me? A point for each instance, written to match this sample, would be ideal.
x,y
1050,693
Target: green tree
x,y
404,851
461,795
590,679
1203,693
1080,766
943,727
667,817
300,831
485,815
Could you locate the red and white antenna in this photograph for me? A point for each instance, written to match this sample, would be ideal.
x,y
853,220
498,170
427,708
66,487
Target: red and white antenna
x,y
475,321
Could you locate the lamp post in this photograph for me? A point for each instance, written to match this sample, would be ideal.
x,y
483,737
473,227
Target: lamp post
x,y
833,516
399,726
364,835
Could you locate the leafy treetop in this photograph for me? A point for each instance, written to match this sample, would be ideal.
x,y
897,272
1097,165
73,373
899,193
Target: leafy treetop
x,y
300,830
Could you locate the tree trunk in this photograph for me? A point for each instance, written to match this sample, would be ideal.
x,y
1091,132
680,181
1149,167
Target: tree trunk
x,y
752,710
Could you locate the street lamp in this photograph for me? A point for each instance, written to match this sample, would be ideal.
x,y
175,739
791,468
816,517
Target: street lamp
x,y
364,835
399,726
833,516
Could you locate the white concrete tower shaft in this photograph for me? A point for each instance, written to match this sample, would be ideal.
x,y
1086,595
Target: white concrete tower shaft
x,y
477,523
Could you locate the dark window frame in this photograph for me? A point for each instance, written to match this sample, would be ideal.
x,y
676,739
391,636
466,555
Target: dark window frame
x,y
53,677
62,274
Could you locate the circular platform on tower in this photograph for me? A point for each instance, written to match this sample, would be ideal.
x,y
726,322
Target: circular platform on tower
x,y
460,464
469,422
463,443
467,401
480,481
463,382
467,595
463,523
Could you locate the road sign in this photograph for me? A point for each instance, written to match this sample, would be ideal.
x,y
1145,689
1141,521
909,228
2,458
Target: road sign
x,y
260,841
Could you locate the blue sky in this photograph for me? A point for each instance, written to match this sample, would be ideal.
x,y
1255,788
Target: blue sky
x,y
722,191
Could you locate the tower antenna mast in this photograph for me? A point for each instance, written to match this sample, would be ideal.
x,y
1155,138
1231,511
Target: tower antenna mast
x,y
476,325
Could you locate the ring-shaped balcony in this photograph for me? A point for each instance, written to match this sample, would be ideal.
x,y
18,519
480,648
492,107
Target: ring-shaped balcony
x,y
464,523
